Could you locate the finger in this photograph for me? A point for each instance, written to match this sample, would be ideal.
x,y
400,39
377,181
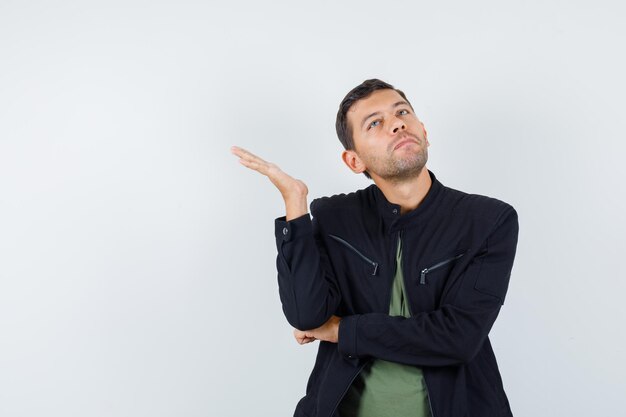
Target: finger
x,y
239,151
257,164
303,337
269,169
245,154
261,167
251,164
305,340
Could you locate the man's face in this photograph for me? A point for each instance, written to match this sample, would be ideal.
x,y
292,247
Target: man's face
x,y
389,140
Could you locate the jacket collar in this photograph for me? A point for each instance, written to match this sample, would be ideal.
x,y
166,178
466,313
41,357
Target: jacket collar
x,y
390,212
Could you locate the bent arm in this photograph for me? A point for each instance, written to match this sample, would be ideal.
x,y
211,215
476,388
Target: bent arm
x,y
455,332
307,286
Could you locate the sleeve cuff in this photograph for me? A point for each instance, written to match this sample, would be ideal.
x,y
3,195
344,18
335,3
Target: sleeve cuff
x,y
288,230
347,336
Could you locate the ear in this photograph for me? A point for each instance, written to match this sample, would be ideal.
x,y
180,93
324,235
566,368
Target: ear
x,y
352,160
425,134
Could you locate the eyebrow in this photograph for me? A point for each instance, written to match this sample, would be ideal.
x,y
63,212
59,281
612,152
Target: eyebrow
x,y
376,113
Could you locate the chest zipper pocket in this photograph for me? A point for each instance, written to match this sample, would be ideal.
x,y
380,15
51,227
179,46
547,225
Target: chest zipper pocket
x,y
437,265
355,250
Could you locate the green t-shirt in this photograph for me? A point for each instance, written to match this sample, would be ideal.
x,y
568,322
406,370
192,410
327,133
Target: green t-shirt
x,y
389,389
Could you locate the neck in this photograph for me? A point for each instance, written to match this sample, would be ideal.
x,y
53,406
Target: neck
x,y
409,193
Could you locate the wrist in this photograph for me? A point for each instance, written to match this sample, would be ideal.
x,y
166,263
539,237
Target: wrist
x,y
295,206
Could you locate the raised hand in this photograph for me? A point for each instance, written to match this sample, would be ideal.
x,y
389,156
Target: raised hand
x,y
293,190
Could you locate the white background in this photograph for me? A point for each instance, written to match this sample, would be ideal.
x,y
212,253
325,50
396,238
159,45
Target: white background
x,y
137,257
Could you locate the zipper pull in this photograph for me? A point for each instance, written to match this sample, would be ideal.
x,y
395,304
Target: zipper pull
x,y
423,276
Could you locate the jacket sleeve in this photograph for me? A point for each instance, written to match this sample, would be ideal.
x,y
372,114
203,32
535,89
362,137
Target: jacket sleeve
x,y
308,290
453,333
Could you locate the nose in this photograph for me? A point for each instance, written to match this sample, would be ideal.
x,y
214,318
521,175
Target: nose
x,y
397,125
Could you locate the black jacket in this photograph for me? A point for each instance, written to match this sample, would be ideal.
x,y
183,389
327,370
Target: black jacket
x,y
458,252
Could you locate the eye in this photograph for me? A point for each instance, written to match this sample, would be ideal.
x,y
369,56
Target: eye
x,y
403,112
373,124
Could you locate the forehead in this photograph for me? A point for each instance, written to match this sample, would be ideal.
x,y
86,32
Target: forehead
x,y
379,100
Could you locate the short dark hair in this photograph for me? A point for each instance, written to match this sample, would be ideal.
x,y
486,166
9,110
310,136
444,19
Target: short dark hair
x,y
361,91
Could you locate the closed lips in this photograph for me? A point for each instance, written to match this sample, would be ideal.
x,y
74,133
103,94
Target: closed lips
x,y
403,142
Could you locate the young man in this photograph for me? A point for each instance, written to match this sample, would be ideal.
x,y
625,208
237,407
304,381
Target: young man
x,y
400,282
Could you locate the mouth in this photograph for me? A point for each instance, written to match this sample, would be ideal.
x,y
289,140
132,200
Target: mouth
x,y
404,142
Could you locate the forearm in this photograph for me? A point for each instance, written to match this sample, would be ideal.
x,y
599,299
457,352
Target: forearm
x,y
307,288
453,333
295,206
447,336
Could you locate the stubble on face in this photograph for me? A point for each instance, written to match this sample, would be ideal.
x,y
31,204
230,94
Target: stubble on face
x,y
374,145
398,165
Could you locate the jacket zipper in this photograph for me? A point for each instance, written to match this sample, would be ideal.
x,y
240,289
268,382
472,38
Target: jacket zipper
x,y
437,265
398,242
355,250
375,264
347,388
430,405
406,293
